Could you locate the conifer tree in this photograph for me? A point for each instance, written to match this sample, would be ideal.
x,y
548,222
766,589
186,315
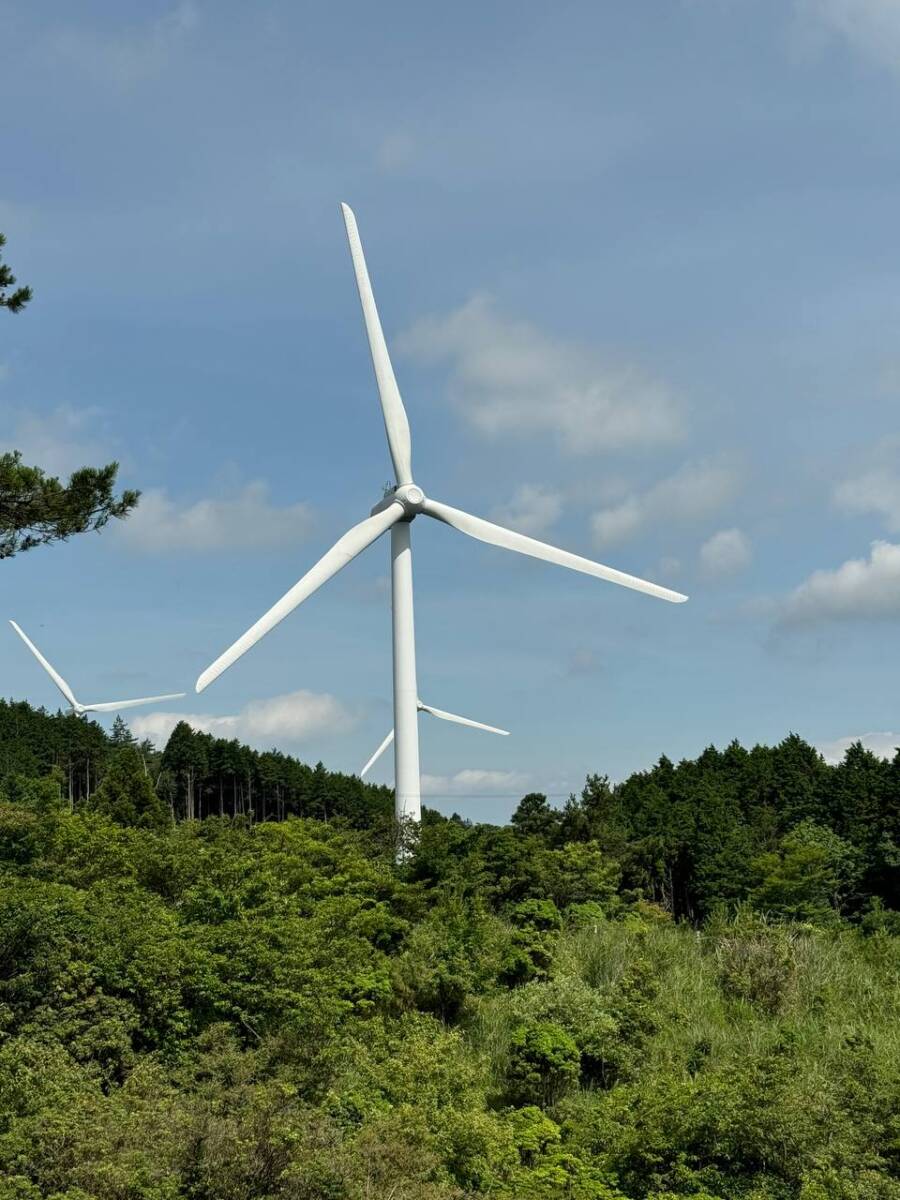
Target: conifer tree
x,y
127,795
12,301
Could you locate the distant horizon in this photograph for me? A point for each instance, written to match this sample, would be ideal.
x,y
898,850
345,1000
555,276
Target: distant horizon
x,y
447,803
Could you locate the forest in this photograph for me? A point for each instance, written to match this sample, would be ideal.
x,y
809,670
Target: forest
x,y
216,983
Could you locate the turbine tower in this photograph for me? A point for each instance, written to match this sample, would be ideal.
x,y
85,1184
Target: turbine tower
x,y
75,705
396,512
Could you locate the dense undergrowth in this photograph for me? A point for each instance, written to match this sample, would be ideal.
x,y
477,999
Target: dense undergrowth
x,y
230,1010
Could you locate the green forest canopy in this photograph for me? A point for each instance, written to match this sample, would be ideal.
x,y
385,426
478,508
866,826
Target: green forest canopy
x,y
684,985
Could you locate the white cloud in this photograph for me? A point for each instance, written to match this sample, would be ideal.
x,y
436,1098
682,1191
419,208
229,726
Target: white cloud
x,y
509,377
870,26
293,717
59,441
697,490
669,567
247,521
533,509
473,781
859,589
883,744
127,56
725,553
876,488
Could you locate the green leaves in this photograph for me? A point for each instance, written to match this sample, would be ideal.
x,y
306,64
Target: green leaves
x,y
13,299
37,509
226,1008
543,1066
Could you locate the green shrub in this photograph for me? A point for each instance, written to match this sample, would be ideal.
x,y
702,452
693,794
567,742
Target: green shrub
x,y
543,1064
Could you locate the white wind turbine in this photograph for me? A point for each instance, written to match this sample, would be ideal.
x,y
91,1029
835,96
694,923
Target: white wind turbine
x,y
434,712
396,512
76,706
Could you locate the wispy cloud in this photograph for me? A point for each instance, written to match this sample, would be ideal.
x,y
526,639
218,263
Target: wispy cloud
x,y
859,589
509,377
533,509
696,491
726,553
869,26
129,55
291,718
59,441
884,745
473,781
247,521
875,488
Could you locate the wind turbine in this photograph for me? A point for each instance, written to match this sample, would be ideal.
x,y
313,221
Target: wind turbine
x,y
396,512
76,706
434,712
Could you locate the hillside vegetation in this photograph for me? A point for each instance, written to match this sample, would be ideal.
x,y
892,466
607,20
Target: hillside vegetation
x,y
686,985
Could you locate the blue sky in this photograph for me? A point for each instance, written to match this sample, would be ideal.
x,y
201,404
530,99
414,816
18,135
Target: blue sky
x,y
637,266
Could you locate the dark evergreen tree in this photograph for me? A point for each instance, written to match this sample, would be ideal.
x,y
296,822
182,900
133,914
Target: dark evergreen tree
x,y
126,794
534,815
120,734
12,300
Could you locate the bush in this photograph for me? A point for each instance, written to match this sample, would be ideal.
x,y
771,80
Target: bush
x,y
543,1064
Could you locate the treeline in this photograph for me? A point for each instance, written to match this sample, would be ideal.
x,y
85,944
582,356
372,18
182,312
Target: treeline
x,y
195,776
776,827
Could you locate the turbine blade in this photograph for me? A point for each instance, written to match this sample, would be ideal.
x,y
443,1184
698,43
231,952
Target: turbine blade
x,y
396,423
51,671
378,753
448,716
496,535
342,552
115,705
444,716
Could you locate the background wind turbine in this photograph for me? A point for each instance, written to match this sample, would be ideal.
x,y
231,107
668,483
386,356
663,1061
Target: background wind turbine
x,y
434,712
76,705
396,512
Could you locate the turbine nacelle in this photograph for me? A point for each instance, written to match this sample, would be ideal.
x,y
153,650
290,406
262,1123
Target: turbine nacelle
x,y
409,495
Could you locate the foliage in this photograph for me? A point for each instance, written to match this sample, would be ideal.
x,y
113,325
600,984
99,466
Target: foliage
x,y
685,985
37,509
12,300
126,794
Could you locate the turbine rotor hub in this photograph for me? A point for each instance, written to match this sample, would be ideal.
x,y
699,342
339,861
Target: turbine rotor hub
x,y
410,495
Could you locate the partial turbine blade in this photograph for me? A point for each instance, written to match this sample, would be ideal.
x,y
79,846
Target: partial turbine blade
x,y
444,716
496,535
115,705
448,716
396,423
343,551
51,671
378,753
